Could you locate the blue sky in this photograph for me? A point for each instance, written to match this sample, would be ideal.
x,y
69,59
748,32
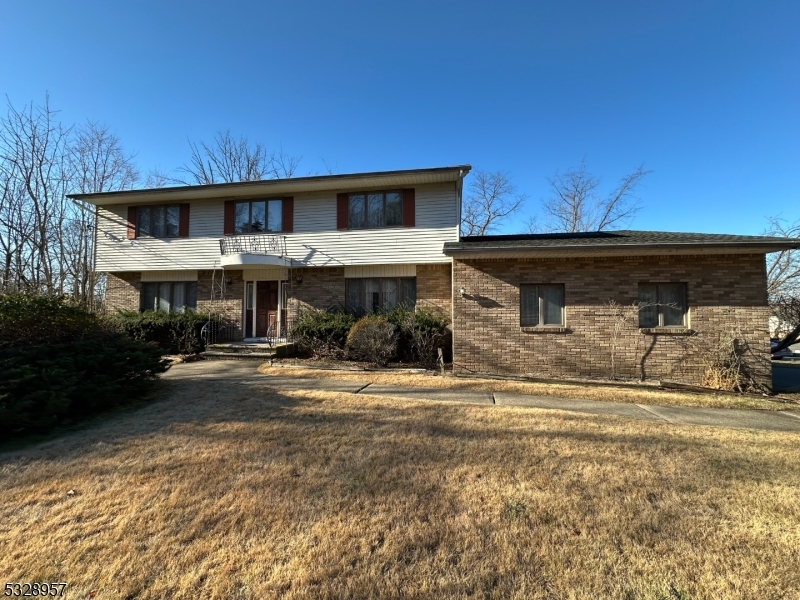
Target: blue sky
x,y
704,93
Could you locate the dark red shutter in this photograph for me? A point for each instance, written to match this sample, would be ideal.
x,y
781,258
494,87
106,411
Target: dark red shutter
x,y
342,204
288,215
409,208
131,222
183,223
229,217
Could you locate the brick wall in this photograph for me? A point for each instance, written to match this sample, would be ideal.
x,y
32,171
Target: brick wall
x,y
227,300
434,287
724,294
123,291
322,288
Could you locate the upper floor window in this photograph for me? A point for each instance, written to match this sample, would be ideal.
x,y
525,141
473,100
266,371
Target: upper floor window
x,y
258,216
375,209
662,305
541,305
158,221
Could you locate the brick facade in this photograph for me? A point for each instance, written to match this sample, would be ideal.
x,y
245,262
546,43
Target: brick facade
x,y
725,294
322,288
222,294
435,287
123,291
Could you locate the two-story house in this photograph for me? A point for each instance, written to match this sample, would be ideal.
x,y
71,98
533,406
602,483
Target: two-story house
x,y
647,304
260,251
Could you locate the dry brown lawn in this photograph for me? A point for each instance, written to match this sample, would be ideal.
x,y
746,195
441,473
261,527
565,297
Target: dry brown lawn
x,y
226,491
635,394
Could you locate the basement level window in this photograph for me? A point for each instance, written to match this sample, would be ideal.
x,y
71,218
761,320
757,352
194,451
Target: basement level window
x,y
169,296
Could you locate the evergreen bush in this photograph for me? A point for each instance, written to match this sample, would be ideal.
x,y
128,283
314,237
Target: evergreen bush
x,y
322,332
177,333
58,362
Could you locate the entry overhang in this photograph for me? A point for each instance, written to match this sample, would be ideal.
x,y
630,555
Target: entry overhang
x,y
242,260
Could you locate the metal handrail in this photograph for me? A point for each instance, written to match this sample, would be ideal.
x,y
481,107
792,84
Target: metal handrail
x,y
275,333
270,245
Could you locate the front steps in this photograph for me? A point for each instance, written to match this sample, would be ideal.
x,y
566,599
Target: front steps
x,y
246,351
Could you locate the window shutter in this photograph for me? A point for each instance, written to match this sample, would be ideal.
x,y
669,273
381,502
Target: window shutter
x,y
342,206
409,208
131,222
288,215
183,222
229,217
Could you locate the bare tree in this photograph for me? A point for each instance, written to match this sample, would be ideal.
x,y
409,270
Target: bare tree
x,y
46,241
156,178
229,160
100,164
492,198
35,153
576,204
783,281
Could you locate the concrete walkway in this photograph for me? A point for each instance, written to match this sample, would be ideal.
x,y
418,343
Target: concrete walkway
x,y
245,373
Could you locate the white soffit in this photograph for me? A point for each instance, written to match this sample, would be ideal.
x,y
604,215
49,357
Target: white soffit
x,y
266,274
355,272
169,276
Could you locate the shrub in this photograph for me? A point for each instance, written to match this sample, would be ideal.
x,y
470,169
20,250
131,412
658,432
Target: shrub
x,y
58,362
420,333
374,339
172,332
322,332
25,318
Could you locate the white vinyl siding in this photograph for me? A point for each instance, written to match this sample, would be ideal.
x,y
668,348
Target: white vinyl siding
x,y
265,274
169,276
380,271
315,241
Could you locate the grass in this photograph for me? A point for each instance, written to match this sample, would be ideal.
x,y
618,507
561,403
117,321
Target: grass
x,y
644,394
228,491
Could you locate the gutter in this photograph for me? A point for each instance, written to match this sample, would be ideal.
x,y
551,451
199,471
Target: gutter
x,y
754,247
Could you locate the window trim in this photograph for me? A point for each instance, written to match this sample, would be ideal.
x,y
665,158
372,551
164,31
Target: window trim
x,y
172,284
659,312
150,208
541,324
266,201
366,195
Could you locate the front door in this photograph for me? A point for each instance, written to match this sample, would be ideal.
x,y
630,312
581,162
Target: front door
x,y
266,307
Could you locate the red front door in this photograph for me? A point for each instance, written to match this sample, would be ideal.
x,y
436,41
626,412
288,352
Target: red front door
x,y
266,307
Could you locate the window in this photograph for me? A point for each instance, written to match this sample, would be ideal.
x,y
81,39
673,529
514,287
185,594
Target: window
x,y
377,294
375,209
258,216
541,305
662,305
158,221
169,296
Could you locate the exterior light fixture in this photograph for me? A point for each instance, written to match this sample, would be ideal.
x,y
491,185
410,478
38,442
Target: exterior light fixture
x,y
463,292
299,279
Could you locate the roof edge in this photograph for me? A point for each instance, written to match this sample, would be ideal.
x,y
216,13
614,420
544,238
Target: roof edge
x,y
266,183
